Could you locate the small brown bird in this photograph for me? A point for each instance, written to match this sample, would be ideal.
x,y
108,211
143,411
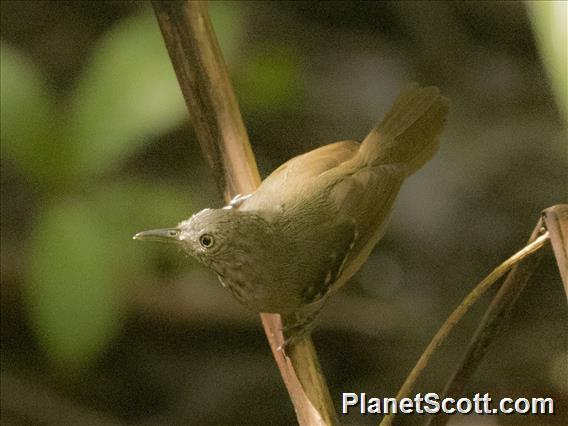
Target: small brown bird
x,y
313,222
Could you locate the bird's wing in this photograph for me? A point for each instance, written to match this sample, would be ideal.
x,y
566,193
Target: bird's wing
x,y
331,266
365,197
284,182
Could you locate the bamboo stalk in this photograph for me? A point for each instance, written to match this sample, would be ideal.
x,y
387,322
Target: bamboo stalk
x,y
215,115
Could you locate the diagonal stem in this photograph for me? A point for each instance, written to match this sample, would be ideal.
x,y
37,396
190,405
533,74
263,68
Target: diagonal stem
x,y
458,314
215,115
554,221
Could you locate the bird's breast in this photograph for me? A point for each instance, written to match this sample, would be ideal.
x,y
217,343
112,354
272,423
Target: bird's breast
x,y
257,291
241,290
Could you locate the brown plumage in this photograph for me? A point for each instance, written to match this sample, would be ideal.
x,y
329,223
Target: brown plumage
x,y
313,222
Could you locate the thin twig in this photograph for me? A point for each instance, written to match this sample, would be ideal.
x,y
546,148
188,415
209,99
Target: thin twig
x,y
555,221
458,314
215,115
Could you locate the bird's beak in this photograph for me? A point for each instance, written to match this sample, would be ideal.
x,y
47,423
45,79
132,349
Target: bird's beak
x,y
170,235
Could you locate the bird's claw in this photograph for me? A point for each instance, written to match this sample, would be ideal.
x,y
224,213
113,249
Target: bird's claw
x,y
294,333
288,342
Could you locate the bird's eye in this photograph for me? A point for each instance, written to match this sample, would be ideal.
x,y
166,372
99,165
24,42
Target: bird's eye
x,y
206,240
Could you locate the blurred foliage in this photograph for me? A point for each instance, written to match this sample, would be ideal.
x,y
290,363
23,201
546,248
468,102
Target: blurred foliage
x,y
272,80
127,95
73,295
29,119
549,20
96,146
229,22
81,251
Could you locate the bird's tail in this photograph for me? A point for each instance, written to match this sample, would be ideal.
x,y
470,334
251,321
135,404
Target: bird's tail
x,y
408,135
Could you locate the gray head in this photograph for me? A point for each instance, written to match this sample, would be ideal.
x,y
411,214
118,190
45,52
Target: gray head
x,y
215,237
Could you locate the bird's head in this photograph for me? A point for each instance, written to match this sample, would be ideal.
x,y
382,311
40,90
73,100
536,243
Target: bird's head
x,y
215,237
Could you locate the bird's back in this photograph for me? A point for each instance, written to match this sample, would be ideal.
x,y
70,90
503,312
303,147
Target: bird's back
x,y
284,183
346,190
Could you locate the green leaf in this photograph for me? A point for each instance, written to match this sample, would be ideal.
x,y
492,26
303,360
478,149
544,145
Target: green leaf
x,y
72,293
549,23
29,120
128,95
82,257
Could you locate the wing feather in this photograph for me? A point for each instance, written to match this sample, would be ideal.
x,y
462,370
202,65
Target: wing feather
x,y
285,182
366,198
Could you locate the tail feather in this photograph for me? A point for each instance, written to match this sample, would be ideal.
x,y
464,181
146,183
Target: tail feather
x,y
408,135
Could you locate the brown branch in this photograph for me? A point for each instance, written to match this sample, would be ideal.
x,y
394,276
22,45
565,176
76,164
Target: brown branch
x,y
215,115
458,314
554,221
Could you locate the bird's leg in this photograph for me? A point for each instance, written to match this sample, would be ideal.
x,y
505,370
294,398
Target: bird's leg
x,y
299,324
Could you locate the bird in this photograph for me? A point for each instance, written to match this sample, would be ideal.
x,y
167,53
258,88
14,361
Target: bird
x,y
312,223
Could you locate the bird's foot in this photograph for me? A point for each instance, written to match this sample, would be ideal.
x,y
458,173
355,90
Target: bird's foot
x,y
294,329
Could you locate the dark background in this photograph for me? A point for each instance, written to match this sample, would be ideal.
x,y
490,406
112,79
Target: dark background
x,y
96,146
